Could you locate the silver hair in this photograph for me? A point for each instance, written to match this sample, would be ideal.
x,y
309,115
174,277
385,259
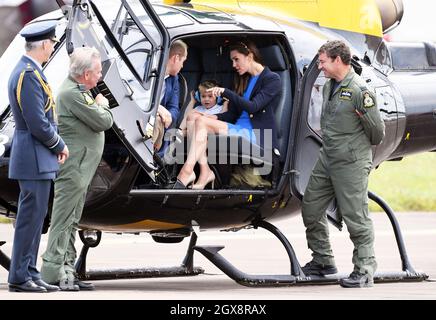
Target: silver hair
x,y
82,59
29,46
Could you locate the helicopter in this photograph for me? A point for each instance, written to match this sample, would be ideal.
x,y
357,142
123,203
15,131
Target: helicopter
x,y
128,193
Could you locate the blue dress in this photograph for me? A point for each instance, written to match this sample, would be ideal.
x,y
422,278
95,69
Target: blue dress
x,y
243,126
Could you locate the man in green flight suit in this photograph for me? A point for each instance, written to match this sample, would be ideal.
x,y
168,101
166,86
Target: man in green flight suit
x,y
82,121
350,124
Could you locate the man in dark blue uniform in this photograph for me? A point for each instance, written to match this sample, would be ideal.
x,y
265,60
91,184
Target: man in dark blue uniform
x,y
36,152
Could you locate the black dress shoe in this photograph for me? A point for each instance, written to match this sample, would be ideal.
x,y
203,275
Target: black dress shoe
x,y
48,287
179,185
357,280
84,285
314,268
28,286
67,285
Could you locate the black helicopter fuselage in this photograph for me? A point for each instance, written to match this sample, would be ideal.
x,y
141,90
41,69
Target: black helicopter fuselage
x,y
124,198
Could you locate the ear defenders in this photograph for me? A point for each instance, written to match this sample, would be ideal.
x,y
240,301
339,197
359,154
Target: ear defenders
x,y
197,98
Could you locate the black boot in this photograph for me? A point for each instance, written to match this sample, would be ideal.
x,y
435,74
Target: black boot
x,y
83,285
314,268
357,280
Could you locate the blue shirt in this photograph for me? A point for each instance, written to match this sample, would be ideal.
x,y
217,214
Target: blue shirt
x,y
244,120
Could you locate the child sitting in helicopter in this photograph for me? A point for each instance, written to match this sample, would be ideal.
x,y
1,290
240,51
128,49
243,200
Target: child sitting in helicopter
x,y
204,102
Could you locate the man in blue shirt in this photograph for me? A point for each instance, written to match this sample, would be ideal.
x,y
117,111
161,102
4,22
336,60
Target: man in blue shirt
x,y
168,110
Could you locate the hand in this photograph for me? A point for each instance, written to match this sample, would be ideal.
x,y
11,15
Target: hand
x,y
216,91
197,112
211,116
165,115
101,100
359,113
63,155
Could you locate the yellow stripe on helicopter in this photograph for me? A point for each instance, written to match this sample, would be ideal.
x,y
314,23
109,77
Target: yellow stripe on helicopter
x,y
362,16
149,225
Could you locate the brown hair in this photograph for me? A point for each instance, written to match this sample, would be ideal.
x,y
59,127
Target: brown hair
x,y
207,84
178,47
244,47
336,48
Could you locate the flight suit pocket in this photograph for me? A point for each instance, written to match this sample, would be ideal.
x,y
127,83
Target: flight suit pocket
x,y
342,154
352,152
360,150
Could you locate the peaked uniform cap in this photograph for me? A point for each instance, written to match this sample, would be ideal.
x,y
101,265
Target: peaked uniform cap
x,y
40,30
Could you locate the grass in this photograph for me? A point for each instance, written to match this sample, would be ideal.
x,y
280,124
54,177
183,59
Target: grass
x,y
5,220
407,185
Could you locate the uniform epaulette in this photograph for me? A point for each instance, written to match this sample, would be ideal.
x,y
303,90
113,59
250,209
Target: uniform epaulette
x,y
29,68
50,104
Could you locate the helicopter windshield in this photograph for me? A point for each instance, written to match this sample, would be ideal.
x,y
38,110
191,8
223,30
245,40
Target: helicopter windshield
x,y
125,32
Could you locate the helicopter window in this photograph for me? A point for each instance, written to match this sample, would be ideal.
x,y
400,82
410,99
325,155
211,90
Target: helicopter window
x,y
140,40
209,16
315,108
171,17
383,60
137,35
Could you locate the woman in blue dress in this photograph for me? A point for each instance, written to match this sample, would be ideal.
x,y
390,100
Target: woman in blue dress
x,y
250,113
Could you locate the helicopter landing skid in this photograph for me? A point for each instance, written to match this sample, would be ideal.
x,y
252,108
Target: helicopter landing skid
x,y
5,262
177,271
185,269
297,276
248,280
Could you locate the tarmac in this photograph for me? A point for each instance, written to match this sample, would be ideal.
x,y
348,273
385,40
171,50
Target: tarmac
x,y
254,252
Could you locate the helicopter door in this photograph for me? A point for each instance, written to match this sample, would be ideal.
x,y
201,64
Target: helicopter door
x,y
131,40
308,134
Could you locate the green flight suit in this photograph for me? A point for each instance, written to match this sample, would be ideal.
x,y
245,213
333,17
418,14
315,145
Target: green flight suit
x,y
82,123
350,123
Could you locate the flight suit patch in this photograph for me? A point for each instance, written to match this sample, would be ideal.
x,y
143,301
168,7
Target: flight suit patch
x,y
368,101
88,99
346,94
